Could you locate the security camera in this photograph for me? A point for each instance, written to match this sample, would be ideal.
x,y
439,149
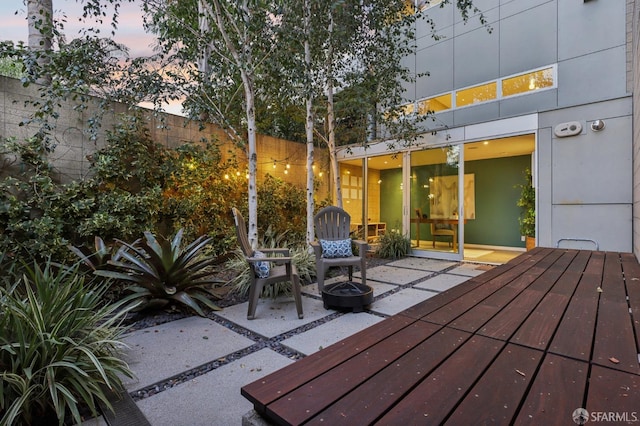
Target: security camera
x,y
597,125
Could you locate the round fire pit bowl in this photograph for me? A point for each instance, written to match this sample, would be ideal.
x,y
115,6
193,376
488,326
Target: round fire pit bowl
x,y
347,295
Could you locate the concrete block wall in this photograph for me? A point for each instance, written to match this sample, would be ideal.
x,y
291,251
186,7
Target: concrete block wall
x,y
73,144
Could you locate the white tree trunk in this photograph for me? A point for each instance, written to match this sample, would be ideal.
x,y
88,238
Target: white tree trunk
x,y
203,26
243,59
331,124
40,21
252,157
309,128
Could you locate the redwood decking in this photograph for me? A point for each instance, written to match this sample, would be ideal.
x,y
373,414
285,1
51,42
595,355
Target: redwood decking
x,y
527,342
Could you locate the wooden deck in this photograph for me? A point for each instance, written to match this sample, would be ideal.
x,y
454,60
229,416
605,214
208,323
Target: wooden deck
x,y
527,342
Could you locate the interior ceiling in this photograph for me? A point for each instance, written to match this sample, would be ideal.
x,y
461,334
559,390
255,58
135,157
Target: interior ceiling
x,y
482,150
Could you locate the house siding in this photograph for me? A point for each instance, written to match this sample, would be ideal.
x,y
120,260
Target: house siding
x,y
588,184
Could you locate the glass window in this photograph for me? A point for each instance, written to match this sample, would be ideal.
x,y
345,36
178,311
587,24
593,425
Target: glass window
x,y
477,94
424,4
435,104
528,82
411,6
408,109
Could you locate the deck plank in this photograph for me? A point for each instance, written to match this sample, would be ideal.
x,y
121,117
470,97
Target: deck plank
x,y
557,390
375,396
279,383
539,327
612,391
451,311
631,269
525,343
453,294
614,344
496,397
436,397
304,402
574,336
480,314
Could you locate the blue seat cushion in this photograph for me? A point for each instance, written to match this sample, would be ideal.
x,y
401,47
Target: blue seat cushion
x,y
335,249
261,268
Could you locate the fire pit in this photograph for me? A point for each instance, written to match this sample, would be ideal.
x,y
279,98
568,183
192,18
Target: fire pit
x,y
347,295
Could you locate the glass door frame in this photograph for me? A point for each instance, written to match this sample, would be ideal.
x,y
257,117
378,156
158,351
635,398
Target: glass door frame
x,y
406,216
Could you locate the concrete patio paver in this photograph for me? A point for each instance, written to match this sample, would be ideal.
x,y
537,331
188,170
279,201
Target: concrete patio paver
x,y
393,275
468,269
213,398
401,300
441,282
422,263
331,332
275,316
163,351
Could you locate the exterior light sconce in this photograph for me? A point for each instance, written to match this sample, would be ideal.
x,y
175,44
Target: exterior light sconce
x,y
597,125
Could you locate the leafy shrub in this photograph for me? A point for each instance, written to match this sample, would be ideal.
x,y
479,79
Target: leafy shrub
x,y
159,271
36,212
58,345
283,207
393,245
136,186
303,259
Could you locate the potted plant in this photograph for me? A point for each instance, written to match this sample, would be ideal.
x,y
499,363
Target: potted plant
x,y
527,202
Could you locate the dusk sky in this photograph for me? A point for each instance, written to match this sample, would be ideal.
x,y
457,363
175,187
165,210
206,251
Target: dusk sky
x,y
129,33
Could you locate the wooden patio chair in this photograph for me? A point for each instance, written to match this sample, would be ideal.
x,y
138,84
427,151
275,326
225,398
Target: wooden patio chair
x,y
333,248
263,273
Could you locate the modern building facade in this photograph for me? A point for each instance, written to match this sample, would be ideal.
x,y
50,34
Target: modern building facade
x,y
547,88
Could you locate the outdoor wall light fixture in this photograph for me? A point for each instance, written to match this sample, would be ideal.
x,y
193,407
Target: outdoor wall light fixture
x,y
597,125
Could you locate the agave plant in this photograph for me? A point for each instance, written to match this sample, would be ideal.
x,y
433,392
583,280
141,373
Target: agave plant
x,y
160,270
99,257
58,346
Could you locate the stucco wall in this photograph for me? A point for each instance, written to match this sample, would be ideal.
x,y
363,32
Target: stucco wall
x,y
633,10
69,158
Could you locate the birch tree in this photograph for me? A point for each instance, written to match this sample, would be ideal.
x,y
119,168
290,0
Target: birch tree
x,y
40,22
228,41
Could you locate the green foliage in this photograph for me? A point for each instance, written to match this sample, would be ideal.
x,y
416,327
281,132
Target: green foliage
x,y
199,192
161,270
527,202
35,211
10,67
282,206
303,259
58,345
393,245
136,185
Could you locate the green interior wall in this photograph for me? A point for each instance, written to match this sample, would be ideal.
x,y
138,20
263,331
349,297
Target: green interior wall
x,y
496,194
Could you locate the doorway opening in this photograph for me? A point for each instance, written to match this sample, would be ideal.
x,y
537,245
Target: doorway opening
x,y
456,202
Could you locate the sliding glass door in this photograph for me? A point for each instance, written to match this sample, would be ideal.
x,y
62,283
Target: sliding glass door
x,y
436,213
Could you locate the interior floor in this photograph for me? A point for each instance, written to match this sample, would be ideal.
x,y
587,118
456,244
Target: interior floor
x,y
472,254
